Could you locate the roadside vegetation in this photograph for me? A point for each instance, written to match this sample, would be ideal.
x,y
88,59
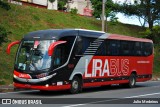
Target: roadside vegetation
x,y
20,20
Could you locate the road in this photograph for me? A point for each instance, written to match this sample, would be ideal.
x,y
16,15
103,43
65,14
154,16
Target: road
x,y
94,97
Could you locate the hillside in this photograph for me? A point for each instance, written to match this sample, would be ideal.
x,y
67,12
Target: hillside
x,y
22,19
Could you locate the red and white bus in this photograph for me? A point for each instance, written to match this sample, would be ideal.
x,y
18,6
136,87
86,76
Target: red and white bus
x,y
76,58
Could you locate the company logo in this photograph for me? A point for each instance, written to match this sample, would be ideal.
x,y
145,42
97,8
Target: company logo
x,y
6,101
27,76
41,75
112,67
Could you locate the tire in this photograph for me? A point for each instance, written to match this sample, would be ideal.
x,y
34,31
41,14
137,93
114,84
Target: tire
x,y
76,85
132,81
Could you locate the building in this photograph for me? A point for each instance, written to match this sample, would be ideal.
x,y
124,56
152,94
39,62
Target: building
x,y
84,7
37,3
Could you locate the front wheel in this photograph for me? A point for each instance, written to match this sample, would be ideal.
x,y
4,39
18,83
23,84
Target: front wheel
x,y
76,85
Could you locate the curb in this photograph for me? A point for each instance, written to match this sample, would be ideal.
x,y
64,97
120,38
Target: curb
x,y
155,79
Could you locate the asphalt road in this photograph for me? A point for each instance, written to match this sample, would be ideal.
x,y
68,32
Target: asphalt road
x,y
95,97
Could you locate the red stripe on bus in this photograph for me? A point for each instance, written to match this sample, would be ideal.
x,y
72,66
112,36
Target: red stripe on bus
x,y
22,75
38,87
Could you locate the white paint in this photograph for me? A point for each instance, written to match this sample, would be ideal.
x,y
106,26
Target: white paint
x,y
75,105
143,95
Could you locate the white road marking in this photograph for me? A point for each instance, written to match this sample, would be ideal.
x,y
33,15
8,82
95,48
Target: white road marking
x,y
143,95
75,105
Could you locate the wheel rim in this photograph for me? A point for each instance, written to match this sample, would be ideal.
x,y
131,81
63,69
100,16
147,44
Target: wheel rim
x,y
132,81
75,85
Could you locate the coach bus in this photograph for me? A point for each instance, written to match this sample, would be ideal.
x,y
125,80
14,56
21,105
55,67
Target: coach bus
x,y
61,59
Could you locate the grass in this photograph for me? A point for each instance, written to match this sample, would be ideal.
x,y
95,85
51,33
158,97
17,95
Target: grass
x,y
23,19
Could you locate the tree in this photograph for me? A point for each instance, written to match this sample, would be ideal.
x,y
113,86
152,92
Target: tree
x,y
4,5
149,10
61,4
97,6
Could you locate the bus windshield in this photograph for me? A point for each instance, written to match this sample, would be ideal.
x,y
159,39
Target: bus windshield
x,y
33,56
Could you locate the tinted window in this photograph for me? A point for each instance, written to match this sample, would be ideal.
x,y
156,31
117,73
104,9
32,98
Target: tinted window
x,y
82,44
62,51
113,47
101,50
147,49
125,48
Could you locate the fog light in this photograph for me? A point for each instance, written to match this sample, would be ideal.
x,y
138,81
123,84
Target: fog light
x,y
47,85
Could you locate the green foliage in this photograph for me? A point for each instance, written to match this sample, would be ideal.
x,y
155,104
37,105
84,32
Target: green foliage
x,y
61,4
3,35
4,5
74,11
113,18
97,5
51,1
154,34
149,10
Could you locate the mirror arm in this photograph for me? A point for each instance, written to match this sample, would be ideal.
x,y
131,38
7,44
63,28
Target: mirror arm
x,y
53,45
10,45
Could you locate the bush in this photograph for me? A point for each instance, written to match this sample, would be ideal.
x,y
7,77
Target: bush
x,y
154,34
74,11
4,5
3,35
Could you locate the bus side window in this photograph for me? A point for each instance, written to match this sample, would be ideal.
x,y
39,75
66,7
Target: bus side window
x,y
78,45
114,47
138,49
147,49
125,48
85,44
62,51
102,49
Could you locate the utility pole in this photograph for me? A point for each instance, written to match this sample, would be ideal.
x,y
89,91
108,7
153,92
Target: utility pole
x,y
103,15
88,1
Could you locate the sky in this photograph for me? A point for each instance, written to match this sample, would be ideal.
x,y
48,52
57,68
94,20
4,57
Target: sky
x,y
125,19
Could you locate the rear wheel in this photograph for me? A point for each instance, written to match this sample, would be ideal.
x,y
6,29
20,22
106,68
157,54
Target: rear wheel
x,y
132,81
76,85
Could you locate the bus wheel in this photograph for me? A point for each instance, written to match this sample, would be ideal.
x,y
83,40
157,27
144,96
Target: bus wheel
x,y
132,80
76,85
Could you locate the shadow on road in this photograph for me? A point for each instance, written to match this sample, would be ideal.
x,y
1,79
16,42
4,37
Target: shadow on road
x,y
85,90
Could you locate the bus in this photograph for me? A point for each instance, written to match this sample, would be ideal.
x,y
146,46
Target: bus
x,y
72,59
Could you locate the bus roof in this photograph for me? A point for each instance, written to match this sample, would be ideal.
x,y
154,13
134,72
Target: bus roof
x,y
58,33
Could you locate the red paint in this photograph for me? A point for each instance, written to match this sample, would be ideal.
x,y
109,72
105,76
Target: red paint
x,y
38,87
87,12
10,45
22,75
104,83
119,68
122,37
53,45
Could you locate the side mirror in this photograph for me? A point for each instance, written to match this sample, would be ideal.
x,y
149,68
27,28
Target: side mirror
x,y
10,45
53,45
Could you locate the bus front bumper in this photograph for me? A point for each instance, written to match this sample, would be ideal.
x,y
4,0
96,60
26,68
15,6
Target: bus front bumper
x,y
39,87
